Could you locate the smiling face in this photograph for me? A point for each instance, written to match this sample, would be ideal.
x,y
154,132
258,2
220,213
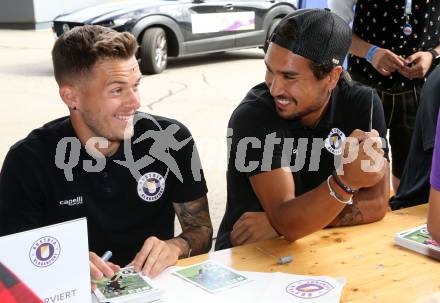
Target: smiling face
x,y
297,92
105,101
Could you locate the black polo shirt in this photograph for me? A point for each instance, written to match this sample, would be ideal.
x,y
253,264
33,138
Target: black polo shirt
x,y
256,120
122,211
414,185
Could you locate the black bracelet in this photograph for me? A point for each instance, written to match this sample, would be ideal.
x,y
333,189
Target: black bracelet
x,y
346,188
188,240
434,53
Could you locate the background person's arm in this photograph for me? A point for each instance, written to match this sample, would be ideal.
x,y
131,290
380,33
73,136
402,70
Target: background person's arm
x,y
434,194
384,60
419,64
434,214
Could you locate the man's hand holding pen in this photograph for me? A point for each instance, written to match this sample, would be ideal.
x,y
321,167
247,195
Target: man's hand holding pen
x,y
362,162
100,267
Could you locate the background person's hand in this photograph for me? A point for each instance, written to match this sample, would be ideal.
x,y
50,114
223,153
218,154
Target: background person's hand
x,y
387,62
368,150
252,227
100,269
154,256
418,65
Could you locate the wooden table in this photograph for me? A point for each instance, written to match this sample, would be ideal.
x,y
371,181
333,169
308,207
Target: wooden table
x,y
375,268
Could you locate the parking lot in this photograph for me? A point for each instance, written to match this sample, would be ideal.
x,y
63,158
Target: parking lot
x,y
200,91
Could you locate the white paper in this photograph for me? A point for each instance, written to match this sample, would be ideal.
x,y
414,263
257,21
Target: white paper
x,y
178,290
53,261
262,288
296,288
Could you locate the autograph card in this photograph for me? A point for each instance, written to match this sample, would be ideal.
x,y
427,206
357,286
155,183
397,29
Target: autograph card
x,y
211,276
125,285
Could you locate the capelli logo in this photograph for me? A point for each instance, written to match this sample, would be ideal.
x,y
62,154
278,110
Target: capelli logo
x,y
72,202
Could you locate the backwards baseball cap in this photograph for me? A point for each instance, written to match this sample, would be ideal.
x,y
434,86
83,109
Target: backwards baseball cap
x,y
316,34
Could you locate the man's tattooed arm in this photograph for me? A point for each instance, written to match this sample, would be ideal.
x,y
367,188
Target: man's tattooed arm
x,y
196,227
369,205
350,215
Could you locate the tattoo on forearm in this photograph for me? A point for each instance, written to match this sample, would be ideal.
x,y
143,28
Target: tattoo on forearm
x,y
350,215
196,224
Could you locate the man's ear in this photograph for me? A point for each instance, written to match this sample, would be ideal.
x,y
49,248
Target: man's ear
x,y
70,96
334,76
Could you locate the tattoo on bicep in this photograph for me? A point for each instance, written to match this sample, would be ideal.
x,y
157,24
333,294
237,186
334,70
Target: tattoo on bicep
x,y
350,215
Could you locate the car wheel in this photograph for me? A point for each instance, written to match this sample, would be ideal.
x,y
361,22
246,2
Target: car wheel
x,y
154,51
272,27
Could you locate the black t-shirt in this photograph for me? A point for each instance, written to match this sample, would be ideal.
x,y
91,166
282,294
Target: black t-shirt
x,y
381,23
123,205
255,121
414,185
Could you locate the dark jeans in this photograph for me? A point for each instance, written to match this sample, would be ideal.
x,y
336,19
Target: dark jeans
x,y
400,116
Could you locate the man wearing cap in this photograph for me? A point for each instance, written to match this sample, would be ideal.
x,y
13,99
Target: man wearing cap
x,y
395,45
289,171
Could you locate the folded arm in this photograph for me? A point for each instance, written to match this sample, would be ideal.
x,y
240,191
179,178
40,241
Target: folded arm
x,y
369,204
296,217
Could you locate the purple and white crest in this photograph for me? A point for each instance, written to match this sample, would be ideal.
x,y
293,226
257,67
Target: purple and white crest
x,y
45,251
151,186
309,289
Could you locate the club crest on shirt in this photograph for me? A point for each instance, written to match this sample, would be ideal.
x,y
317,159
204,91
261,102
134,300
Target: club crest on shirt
x,y
151,186
309,289
333,143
